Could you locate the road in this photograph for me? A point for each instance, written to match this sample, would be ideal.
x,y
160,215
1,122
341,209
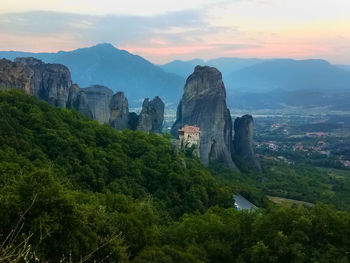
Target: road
x,y
243,204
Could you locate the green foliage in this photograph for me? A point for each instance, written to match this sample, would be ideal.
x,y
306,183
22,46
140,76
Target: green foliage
x,y
85,192
83,173
307,183
87,156
282,234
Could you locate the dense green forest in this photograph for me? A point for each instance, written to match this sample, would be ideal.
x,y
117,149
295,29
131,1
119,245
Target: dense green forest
x,y
298,181
72,190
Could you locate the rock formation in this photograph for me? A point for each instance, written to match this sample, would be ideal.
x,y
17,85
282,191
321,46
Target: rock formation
x,y
243,140
99,98
81,104
49,82
52,83
73,92
14,76
151,116
203,104
119,111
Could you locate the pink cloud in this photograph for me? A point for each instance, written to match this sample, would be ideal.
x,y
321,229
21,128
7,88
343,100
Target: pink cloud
x,y
161,53
282,50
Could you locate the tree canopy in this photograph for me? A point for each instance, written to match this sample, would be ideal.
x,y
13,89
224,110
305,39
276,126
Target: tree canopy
x,y
72,190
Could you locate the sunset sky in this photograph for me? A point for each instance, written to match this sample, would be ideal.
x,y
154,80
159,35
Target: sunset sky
x,y
162,30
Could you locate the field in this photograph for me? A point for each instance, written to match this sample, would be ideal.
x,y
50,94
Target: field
x,y
286,201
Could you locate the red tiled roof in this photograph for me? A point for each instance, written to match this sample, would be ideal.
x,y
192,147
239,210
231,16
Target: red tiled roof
x,y
190,129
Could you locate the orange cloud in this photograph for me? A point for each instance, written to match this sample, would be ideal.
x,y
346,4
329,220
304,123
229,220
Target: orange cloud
x,y
38,43
281,50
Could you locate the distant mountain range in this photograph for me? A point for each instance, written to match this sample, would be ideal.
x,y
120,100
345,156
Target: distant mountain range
x,y
250,83
276,83
225,65
182,68
265,75
286,82
117,69
289,75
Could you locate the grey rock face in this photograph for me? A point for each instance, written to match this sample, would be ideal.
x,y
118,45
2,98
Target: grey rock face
x,y
49,82
152,116
81,104
119,111
203,104
99,98
14,76
243,140
73,92
52,83
29,61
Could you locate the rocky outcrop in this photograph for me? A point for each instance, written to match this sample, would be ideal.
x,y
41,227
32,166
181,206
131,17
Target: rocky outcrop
x,y
203,104
98,98
14,76
243,140
119,111
152,116
73,92
99,103
81,104
52,83
49,82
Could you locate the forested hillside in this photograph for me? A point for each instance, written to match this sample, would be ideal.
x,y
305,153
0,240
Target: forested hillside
x,y
72,190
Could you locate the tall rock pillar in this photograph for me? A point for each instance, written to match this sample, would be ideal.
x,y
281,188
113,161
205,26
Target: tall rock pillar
x,y
203,104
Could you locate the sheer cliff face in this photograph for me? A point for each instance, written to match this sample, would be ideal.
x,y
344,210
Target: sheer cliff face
x,y
119,111
81,104
204,104
52,83
243,140
49,82
14,76
98,98
152,116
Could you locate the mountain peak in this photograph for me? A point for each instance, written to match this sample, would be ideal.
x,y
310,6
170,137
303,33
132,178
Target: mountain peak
x,y
104,46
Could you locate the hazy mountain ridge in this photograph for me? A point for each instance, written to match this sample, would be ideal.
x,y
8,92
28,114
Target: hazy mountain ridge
x,y
289,74
117,69
277,83
225,65
286,82
270,74
250,82
182,68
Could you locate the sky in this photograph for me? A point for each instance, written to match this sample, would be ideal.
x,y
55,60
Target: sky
x,y
164,30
